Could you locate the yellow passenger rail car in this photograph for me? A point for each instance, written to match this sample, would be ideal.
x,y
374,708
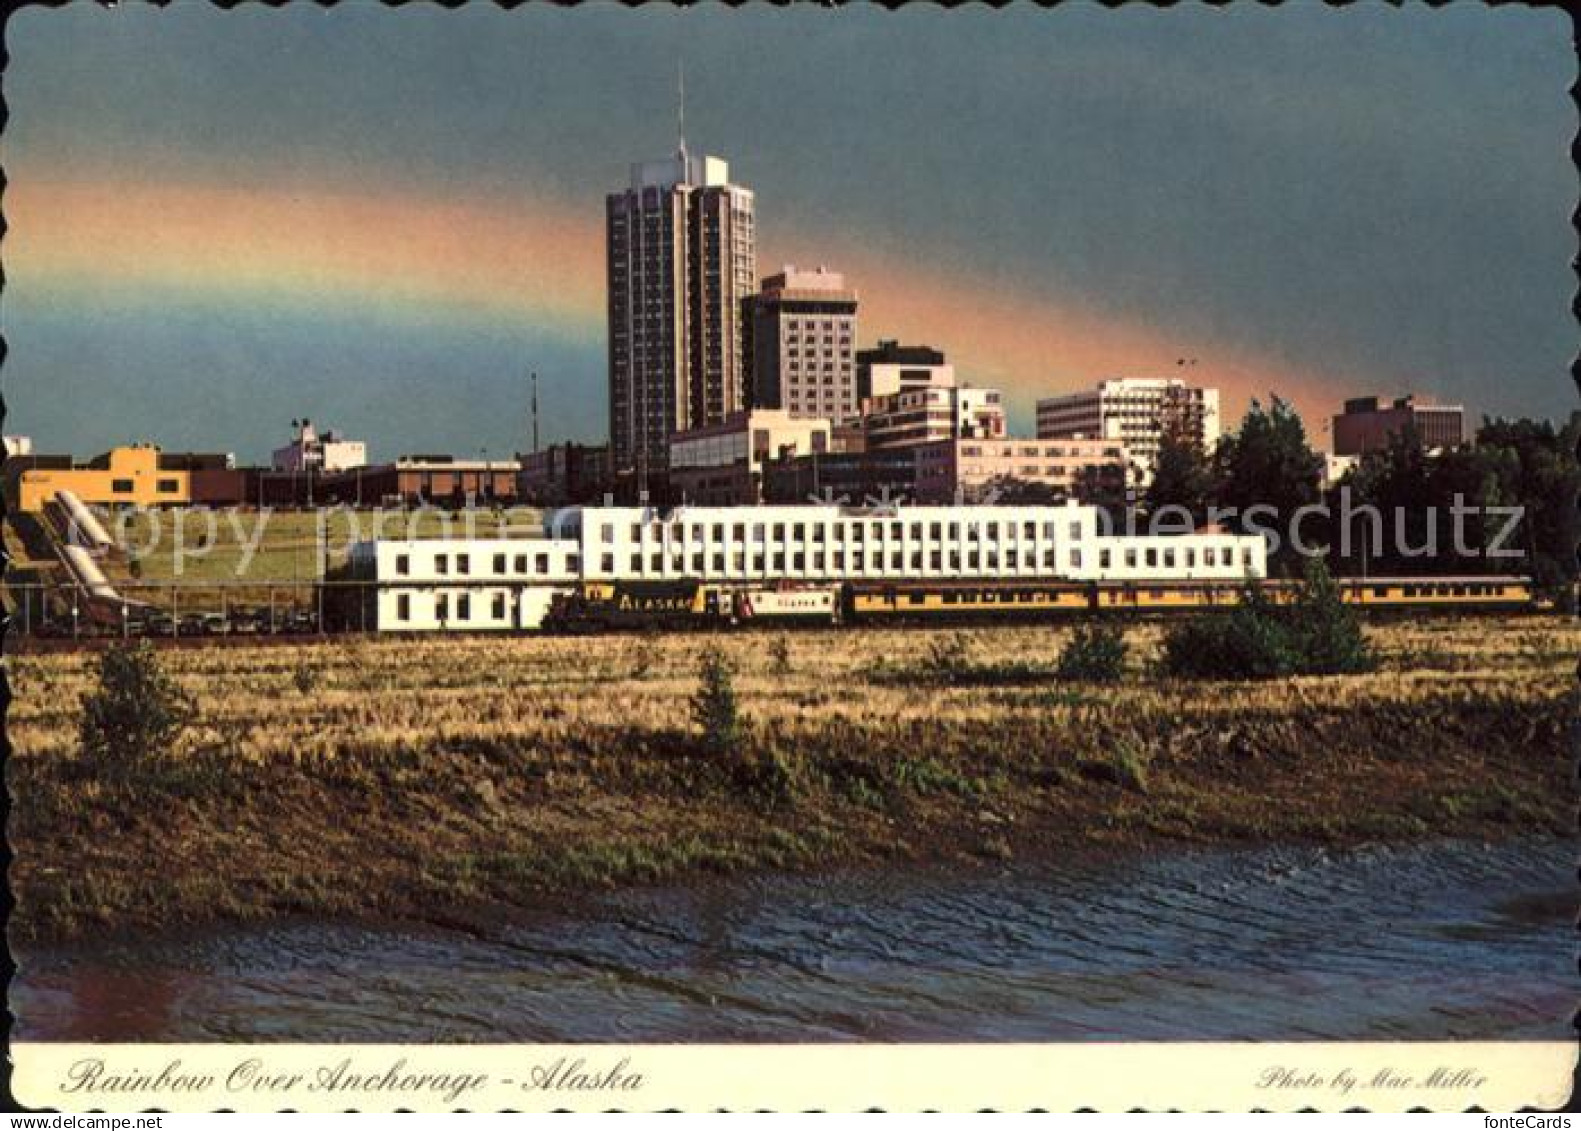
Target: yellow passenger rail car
x,y
955,600
1440,592
1462,593
620,604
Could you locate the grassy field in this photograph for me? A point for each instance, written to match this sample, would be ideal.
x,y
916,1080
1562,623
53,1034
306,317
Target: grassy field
x,y
420,778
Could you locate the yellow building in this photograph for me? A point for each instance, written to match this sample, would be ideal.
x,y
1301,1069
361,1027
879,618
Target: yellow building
x,y
127,476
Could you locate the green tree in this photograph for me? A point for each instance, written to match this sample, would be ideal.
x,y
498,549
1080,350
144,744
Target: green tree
x,y
1538,471
1326,632
715,710
1102,486
135,715
1182,477
1268,465
1526,464
1316,634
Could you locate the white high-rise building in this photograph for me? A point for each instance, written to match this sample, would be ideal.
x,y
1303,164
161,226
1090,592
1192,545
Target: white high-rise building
x,y
682,259
1138,412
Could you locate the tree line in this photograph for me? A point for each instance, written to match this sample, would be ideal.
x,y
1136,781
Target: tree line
x,y
1414,493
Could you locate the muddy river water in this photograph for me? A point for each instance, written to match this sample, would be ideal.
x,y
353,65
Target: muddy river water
x,y
1445,940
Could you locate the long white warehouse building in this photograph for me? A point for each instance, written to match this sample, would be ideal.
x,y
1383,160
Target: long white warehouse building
x,y
509,583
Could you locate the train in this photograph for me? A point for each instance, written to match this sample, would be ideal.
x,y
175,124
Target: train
x,y
626,605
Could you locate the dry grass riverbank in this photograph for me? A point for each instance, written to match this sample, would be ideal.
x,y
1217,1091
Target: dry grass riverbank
x,y
420,778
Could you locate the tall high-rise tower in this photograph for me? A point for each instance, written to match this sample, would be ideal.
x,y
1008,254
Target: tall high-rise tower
x,y
682,258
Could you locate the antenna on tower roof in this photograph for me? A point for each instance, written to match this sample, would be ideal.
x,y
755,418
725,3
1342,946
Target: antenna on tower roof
x,y
680,105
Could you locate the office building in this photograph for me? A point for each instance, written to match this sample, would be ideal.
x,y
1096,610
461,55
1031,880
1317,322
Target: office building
x,y
971,470
890,367
681,262
1138,412
851,476
801,333
925,413
564,473
1368,422
723,463
139,475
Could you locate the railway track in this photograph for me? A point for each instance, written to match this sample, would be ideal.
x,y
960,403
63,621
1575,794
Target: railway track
x,y
26,645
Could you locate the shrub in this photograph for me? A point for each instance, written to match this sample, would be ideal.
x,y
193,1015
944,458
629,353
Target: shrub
x,y
1124,764
1096,653
133,719
1317,634
948,659
769,778
779,653
304,678
1327,632
1248,641
921,773
643,657
714,707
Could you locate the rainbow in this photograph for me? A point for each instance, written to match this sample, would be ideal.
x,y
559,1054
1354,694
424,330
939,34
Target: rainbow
x,y
538,260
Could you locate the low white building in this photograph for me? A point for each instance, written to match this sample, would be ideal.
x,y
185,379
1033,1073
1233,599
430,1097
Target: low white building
x,y
902,542
454,583
509,583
